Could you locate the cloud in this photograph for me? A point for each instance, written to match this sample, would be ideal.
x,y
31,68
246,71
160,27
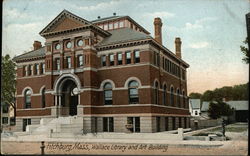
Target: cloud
x,y
162,14
14,14
198,24
102,5
18,38
199,45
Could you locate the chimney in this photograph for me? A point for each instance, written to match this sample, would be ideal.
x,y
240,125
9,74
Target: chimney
x,y
37,45
178,47
158,25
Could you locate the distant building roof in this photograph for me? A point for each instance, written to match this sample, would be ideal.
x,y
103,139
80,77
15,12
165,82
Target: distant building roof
x,y
195,103
205,106
34,53
238,105
123,35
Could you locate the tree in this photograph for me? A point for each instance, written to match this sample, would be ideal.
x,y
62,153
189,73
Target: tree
x,y
8,81
195,95
207,96
245,51
218,109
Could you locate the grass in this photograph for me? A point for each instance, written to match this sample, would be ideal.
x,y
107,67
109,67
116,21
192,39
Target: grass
x,y
230,129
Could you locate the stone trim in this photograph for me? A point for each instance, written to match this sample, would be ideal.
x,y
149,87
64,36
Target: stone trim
x,y
136,115
135,105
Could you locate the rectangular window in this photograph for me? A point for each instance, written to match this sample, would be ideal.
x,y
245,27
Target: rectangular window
x,y
80,60
29,70
121,24
119,58
185,122
43,68
183,74
128,57
5,108
180,123
137,56
105,26
110,26
68,62
24,70
173,123
108,124
58,63
108,97
5,120
25,123
115,25
155,58
158,59
158,124
166,123
135,122
12,121
103,60
131,25
133,96
111,59
37,68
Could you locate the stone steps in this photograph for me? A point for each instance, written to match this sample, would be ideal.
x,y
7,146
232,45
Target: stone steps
x,y
61,124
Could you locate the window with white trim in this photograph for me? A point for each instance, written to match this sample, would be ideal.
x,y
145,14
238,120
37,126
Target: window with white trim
x,y
133,92
119,58
108,94
108,124
128,57
27,98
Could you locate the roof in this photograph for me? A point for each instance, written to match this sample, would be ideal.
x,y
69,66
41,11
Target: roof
x,y
123,35
106,18
34,53
118,17
205,106
238,105
195,103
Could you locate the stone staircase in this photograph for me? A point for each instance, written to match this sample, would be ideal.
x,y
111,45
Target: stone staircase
x,y
71,124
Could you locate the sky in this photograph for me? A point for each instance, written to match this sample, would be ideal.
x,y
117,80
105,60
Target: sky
x,y
211,31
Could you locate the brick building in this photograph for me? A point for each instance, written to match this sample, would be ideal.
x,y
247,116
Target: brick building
x,y
110,72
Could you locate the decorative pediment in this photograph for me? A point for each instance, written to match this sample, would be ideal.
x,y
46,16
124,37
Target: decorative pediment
x,y
64,21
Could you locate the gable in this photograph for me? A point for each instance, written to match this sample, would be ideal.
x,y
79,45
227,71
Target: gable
x,y
66,24
64,21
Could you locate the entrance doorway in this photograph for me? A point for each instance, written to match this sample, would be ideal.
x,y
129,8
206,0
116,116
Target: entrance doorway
x,y
69,97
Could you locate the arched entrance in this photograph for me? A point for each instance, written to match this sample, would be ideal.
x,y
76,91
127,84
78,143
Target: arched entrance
x,y
67,92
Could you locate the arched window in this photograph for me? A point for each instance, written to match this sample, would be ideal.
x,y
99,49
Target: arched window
x,y
172,96
165,95
178,98
43,98
156,94
108,94
27,98
133,92
183,98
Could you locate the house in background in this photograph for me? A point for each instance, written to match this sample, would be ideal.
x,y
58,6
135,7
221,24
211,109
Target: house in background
x,y
195,107
7,115
241,110
204,109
